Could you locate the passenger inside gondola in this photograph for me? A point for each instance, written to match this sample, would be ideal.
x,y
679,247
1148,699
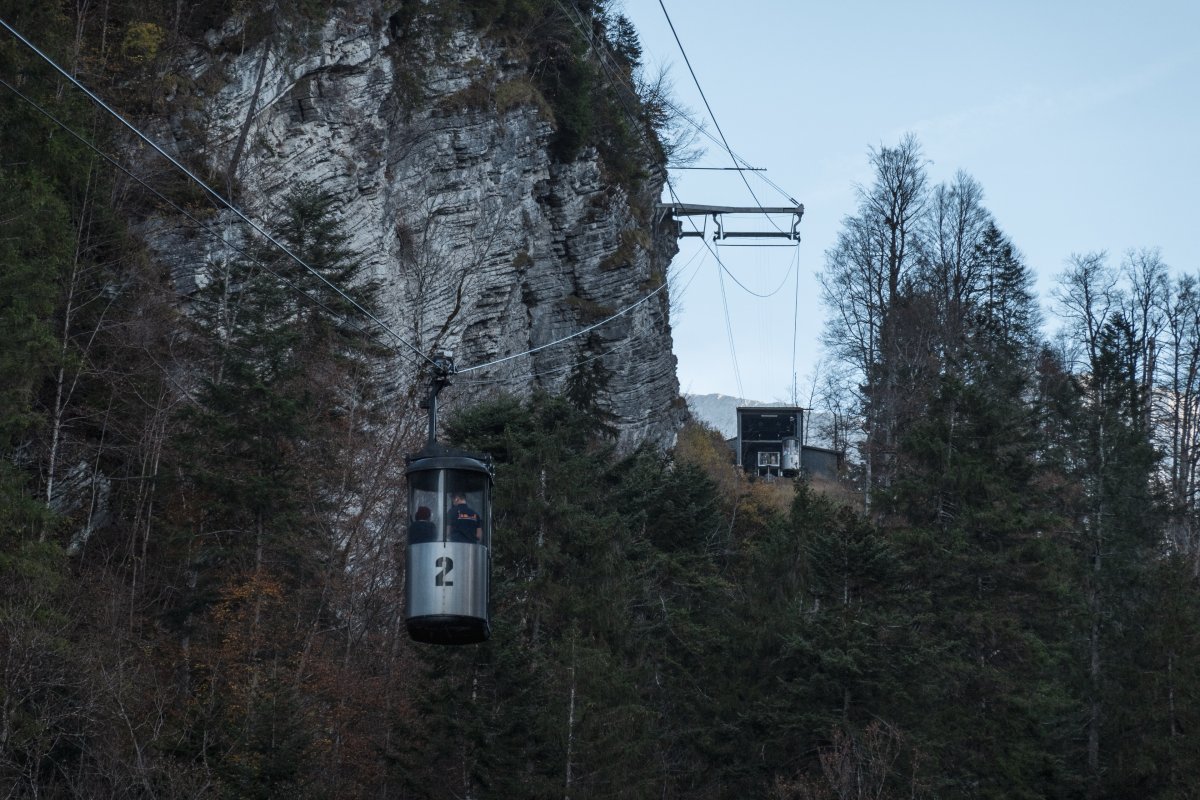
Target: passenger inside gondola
x,y
422,529
465,524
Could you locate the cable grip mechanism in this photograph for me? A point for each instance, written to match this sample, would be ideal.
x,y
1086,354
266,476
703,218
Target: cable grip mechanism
x,y
443,368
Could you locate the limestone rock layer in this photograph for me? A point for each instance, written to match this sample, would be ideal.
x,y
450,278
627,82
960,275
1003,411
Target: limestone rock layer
x,y
443,167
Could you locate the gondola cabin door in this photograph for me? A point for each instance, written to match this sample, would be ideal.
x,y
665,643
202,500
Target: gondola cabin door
x,y
449,547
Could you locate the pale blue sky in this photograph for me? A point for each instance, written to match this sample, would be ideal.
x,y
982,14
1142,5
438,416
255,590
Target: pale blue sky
x,y
1081,120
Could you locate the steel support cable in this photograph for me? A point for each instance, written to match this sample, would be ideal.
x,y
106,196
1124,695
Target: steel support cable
x,y
713,117
569,337
695,272
577,22
683,114
725,145
746,166
680,112
548,372
737,374
626,342
639,302
595,46
619,313
212,192
746,288
717,257
198,223
580,332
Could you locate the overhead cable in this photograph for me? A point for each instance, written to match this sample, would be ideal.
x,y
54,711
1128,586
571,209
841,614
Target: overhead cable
x,y
200,224
712,116
212,192
588,329
553,371
556,370
740,164
621,312
745,165
746,288
600,49
680,112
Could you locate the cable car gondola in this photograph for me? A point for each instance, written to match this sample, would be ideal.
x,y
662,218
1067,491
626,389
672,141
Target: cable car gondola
x,y
448,564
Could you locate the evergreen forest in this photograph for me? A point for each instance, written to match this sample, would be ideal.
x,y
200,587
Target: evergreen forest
x,y
202,507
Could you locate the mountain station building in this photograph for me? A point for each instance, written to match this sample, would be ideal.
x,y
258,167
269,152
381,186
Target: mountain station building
x,y
770,443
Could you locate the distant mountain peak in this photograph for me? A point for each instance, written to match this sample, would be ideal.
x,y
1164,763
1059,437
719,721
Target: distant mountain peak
x,y
719,410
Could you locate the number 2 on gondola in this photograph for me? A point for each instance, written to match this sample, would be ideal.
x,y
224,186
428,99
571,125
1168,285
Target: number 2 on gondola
x,y
447,564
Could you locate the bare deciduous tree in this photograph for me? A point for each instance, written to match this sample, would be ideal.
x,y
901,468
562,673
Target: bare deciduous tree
x,y
951,270
872,262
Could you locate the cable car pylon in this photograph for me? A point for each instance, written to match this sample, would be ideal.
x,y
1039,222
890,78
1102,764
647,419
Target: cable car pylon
x,y
448,556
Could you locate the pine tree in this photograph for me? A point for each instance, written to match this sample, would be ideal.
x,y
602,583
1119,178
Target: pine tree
x,y
42,696
845,657
267,459
1118,525
1152,708
290,363
982,555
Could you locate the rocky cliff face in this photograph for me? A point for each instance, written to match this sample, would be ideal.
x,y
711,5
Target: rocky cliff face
x,y
486,246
